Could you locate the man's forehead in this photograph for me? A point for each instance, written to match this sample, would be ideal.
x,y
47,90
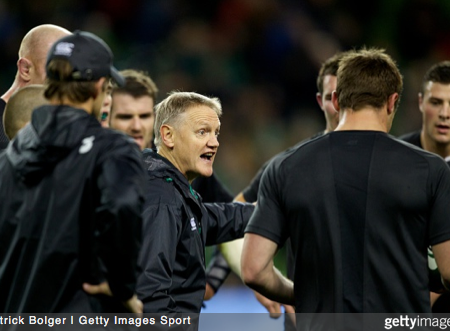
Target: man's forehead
x,y
437,89
201,113
131,110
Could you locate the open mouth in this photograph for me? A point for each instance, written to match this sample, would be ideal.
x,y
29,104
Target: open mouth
x,y
207,156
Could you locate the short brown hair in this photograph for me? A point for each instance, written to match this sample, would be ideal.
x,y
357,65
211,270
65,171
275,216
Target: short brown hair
x,y
61,86
329,67
137,84
367,78
438,73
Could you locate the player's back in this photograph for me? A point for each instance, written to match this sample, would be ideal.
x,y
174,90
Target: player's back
x,y
362,208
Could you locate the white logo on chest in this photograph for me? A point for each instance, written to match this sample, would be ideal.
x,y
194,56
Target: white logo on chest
x,y
86,144
193,225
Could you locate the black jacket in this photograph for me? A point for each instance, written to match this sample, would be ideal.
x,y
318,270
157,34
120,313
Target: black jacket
x,y
177,226
70,193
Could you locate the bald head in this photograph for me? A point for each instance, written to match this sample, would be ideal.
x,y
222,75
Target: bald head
x,y
20,106
34,48
40,39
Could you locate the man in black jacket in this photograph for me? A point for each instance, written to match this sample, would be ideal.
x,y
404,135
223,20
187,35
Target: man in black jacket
x,y
71,194
132,113
177,224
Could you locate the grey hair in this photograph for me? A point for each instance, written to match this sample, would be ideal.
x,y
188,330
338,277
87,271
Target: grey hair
x,y
168,110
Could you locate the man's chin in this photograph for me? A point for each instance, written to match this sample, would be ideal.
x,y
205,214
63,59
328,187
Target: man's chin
x,y
206,173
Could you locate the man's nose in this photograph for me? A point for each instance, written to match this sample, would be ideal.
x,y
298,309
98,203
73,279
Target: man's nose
x,y
444,112
213,141
136,124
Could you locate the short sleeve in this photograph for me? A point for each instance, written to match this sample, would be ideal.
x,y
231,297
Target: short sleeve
x,y
268,219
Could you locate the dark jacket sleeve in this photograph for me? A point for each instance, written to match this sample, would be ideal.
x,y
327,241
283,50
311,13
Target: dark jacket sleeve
x,y
217,271
227,221
119,227
211,189
157,257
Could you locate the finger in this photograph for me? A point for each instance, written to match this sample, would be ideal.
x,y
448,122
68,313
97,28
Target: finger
x,y
102,288
134,305
91,289
289,309
209,292
274,310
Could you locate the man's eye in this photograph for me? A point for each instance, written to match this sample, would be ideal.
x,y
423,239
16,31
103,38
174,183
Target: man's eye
x,y
435,102
202,132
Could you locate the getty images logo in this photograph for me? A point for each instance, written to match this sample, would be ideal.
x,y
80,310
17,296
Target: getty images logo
x,y
86,144
64,49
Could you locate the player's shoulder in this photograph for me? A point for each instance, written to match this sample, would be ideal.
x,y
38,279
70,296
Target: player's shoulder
x,y
115,140
411,137
410,152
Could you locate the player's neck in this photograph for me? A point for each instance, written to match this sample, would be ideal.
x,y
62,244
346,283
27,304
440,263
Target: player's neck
x,y
367,119
14,87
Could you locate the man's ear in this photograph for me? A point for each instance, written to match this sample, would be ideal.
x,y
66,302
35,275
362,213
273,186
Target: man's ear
x,y
167,135
319,99
420,99
334,100
24,67
392,100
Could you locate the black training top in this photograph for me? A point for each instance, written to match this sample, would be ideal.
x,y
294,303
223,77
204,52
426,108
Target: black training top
x,y
250,193
72,194
361,207
412,138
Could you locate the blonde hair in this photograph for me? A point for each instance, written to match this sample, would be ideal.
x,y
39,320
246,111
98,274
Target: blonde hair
x,y
20,106
168,110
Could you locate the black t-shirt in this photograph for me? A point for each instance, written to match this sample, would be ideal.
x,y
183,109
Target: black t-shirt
x,y
3,138
250,193
442,305
412,138
361,207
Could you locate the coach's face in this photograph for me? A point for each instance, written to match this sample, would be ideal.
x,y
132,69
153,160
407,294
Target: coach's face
x,y
195,141
435,107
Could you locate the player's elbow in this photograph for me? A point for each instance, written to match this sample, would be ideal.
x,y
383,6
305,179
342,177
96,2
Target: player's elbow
x,y
251,274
